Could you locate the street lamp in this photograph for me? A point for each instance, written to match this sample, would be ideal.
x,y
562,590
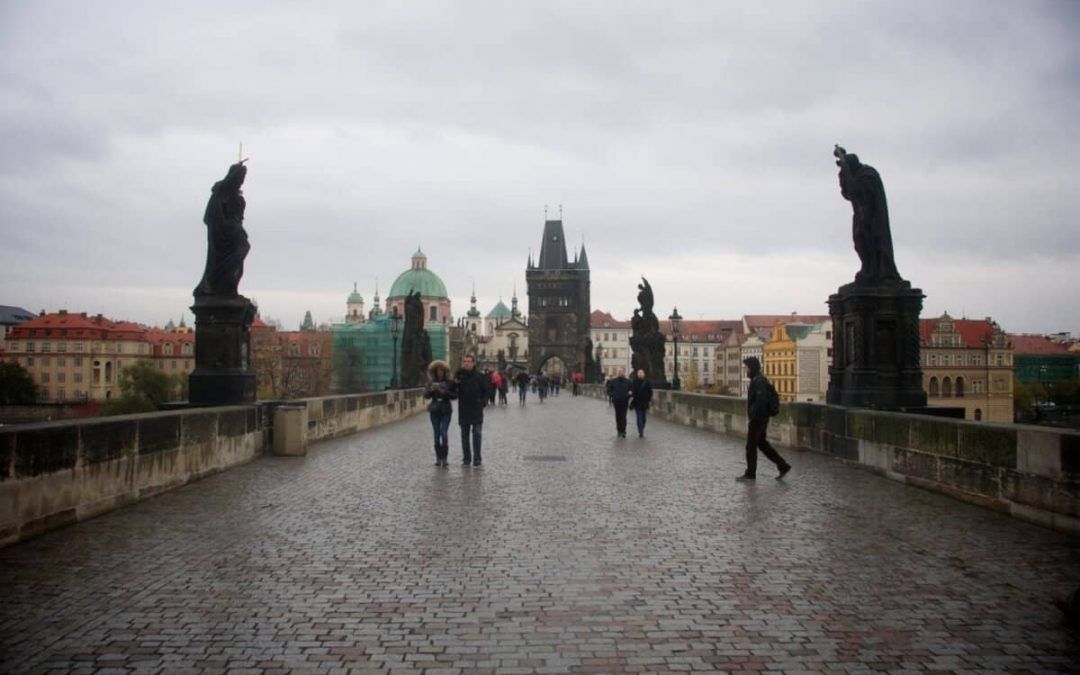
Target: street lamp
x,y
676,322
394,319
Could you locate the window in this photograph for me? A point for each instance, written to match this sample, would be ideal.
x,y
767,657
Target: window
x,y
29,360
933,359
61,346
294,350
44,377
61,361
60,394
46,346
78,348
946,387
959,387
77,379
186,348
60,377
933,386
29,346
108,372
166,349
433,313
978,414
46,361
173,366
313,348
78,360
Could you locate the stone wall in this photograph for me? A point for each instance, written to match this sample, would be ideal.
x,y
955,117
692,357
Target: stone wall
x,y
1029,472
55,473
333,416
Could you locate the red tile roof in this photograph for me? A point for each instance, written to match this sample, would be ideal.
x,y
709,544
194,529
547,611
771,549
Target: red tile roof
x,y
1036,344
600,319
972,331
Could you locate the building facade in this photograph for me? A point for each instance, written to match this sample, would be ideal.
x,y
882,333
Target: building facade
x,y
701,345
968,364
73,357
611,343
559,309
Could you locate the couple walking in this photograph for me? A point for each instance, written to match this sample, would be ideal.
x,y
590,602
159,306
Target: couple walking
x,y
470,389
624,393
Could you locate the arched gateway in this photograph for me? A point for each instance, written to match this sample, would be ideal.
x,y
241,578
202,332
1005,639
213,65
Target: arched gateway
x,y
558,302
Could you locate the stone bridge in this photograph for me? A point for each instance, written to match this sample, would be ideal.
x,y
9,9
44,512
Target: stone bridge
x,y
569,551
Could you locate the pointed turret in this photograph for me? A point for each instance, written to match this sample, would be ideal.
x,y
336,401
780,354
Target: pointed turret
x,y
583,260
553,249
473,311
514,313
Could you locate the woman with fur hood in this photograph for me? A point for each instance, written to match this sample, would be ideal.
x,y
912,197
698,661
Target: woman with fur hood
x,y
441,390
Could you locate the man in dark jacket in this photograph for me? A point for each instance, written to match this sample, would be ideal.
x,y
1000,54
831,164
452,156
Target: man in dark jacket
x,y
472,390
757,409
618,390
522,380
640,398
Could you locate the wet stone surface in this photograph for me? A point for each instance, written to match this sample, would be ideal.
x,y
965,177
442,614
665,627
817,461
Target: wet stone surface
x,y
626,555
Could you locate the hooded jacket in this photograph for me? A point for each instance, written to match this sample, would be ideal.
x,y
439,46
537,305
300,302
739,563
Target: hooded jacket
x,y
757,395
444,390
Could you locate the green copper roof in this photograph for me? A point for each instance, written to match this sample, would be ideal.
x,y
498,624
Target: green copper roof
x,y
354,297
423,280
499,311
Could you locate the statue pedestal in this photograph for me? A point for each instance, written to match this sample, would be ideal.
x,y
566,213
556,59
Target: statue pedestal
x,y
222,374
876,346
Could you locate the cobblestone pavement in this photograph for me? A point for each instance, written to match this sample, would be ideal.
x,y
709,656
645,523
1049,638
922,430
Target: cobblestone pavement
x,y
570,550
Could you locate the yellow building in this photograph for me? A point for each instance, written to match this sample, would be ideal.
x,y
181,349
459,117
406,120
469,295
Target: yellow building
x,y
780,363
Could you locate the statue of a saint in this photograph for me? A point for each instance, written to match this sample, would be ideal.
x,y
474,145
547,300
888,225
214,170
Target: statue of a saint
x,y
227,242
861,185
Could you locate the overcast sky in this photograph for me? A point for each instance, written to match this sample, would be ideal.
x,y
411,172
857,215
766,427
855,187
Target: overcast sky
x,y
689,142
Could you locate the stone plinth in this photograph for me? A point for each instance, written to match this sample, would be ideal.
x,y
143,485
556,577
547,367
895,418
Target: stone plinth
x,y
223,373
876,346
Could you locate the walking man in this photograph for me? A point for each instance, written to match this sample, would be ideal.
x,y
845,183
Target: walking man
x,y
522,385
472,389
758,406
618,390
641,396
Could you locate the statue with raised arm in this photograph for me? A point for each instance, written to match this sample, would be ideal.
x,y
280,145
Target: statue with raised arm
x,y
861,185
646,341
227,242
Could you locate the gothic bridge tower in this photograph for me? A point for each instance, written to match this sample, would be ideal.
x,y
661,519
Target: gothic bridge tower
x,y
558,303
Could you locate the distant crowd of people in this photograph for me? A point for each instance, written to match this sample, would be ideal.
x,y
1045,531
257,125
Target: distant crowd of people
x,y
474,390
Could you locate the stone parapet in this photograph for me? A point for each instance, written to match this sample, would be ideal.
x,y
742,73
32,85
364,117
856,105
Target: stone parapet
x,y
1029,472
55,473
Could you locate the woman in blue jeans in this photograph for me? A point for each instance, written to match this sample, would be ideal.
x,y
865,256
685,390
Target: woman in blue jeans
x,y
441,390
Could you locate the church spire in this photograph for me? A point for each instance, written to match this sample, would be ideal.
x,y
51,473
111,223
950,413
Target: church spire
x,y
513,304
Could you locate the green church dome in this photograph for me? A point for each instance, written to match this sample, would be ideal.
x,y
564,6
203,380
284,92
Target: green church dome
x,y
418,278
499,311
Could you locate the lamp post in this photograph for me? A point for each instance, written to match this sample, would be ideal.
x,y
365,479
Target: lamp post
x,y
394,319
676,322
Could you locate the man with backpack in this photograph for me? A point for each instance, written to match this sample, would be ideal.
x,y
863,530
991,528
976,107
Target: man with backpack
x,y
762,402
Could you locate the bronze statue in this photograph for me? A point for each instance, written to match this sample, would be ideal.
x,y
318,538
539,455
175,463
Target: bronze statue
x,y
647,342
413,354
861,185
227,242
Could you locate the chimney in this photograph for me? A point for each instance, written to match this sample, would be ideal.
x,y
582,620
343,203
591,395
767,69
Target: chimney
x,y
63,312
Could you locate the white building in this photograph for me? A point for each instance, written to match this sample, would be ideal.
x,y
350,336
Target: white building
x,y
611,342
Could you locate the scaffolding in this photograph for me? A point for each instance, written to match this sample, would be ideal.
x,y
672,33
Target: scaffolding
x,y
364,353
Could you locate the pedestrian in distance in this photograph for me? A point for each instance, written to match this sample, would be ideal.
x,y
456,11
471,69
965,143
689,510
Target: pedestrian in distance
x,y
618,389
522,380
504,387
542,385
493,384
762,402
441,391
472,390
640,398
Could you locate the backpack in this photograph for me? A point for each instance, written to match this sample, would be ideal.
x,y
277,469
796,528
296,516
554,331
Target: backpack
x,y
772,399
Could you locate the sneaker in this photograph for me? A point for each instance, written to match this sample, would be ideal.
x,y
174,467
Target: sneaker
x,y
746,477
783,471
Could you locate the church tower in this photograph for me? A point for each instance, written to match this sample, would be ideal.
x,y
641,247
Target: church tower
x,y
559,310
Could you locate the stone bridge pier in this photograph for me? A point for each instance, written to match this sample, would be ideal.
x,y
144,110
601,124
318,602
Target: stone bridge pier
x,y
569,551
